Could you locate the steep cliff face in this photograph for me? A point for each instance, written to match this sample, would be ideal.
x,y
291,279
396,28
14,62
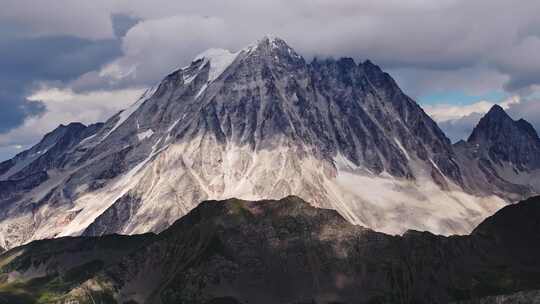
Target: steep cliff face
x,y
283,251
258,123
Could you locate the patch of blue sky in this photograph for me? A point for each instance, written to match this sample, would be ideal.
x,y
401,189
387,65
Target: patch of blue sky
x,y
460,97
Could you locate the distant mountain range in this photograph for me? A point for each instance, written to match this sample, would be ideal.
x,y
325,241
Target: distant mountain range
x,y
286,251
262,123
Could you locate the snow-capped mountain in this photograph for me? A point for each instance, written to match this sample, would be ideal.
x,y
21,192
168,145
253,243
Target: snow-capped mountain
x,y
257,123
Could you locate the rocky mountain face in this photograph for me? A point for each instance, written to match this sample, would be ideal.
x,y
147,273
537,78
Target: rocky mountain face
x,y
284,251
44,155
502,155
258,123
22,175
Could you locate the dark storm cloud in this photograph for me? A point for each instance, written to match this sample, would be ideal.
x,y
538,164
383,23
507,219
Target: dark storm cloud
x,y
15,108
58,58
27,60
452,35
122,23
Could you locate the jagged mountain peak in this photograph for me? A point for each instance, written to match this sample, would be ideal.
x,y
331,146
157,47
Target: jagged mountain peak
x,y
268,45
71,125
496,116
62,129
269,48
270,42
52,137
490,125
497,126
497,111
527,127
47,153
369,65
275,52
503,140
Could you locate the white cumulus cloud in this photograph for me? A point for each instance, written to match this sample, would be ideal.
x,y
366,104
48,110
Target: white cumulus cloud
x,y
64,106
445,112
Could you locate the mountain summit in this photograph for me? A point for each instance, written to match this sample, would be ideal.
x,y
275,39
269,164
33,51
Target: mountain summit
x,y
495,126
257,123
502,156
507,141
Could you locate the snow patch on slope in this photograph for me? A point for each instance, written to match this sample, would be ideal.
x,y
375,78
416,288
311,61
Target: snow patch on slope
x,y
189,77
203,88
381,202
219,60
89,206
186,173
144,135
125,114
403,150
393,205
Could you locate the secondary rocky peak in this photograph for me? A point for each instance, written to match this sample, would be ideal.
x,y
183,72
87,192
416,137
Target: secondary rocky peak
x,y
48,153
54,136
527,127
499,138
497,125
369,65
62,129
497,115
497,110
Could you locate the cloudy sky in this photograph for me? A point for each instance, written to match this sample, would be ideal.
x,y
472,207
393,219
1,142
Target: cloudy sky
x,y
79,60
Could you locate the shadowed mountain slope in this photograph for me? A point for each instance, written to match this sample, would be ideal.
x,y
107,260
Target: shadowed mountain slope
x,y
284,251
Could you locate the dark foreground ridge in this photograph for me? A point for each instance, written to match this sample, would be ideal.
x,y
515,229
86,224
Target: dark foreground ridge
x,y
283,251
